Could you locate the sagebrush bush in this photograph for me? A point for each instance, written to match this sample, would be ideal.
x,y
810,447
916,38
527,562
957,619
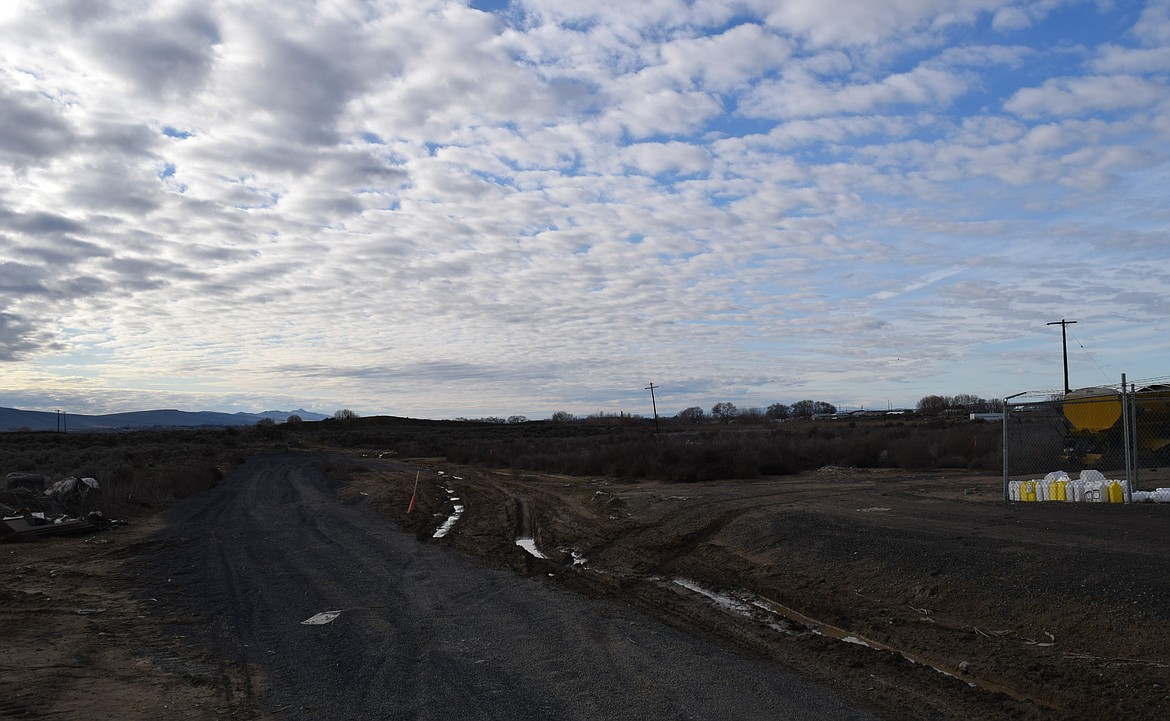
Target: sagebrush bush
x,y
145,469
683,452
134,470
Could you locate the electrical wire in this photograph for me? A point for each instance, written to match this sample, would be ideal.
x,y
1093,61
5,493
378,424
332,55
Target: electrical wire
x,y
1090,356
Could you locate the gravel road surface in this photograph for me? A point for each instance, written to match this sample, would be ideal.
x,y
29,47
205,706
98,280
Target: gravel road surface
x,y
425,633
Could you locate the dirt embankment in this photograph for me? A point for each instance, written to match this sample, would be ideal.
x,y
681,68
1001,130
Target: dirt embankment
x,y
924,596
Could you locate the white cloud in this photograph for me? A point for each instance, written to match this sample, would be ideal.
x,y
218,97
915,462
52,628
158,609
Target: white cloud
x,y
1116,59
658,158
801,96
665,112
430,210
1069,96
725,61
1010,18
1153,28
842,22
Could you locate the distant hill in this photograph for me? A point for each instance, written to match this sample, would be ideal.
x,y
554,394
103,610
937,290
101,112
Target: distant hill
x,y
12,419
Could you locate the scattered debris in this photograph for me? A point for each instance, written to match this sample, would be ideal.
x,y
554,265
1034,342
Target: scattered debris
x,y
72,491
37,524
320,619
56,511
1105,659
34,482
578,559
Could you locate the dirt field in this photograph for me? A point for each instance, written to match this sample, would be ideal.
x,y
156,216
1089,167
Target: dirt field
x,y
922,596
919,596
80,643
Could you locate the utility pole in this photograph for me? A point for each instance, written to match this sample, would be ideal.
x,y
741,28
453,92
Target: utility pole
x,y
654,404
1064,324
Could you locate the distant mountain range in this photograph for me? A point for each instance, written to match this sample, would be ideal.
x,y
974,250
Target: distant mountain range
x,y
12,419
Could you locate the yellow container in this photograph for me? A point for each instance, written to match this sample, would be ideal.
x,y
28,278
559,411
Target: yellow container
x,y
1028,491
1059,491
1093,409
1116,495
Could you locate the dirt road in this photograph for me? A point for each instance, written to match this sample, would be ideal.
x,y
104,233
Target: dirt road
x,y
424,633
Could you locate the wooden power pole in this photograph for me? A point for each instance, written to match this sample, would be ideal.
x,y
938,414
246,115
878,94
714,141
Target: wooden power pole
x,y
654,405
1064,324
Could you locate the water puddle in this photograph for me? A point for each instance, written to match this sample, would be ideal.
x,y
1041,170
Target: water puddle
x,y
455,514
727,603
529,544
446,527
743,602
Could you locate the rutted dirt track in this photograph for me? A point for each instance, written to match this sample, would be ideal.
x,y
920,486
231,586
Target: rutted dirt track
x,y
971,607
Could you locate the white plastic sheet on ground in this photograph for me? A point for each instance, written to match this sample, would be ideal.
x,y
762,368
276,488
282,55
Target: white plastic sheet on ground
x,y
320,619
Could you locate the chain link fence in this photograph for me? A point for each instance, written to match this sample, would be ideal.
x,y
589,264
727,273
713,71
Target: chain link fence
x,y
1102,444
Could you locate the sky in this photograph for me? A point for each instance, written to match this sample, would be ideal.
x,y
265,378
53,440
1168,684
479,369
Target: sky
x,y
467,209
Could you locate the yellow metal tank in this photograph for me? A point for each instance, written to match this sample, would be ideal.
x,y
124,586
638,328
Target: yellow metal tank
x,y
1092,409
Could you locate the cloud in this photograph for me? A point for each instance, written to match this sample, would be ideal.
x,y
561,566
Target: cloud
x,y
17,336
802,96
1153,27
659,158
726,61
844,23
1068,96
1010,18
1115,59
31,128
433,210
165,57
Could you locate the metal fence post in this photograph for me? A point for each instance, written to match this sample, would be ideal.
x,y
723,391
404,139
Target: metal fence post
x,y
1007,496
1006,493
1125,431
1134,481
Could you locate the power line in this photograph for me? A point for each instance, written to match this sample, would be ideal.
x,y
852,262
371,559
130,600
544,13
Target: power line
x,y
1090,355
